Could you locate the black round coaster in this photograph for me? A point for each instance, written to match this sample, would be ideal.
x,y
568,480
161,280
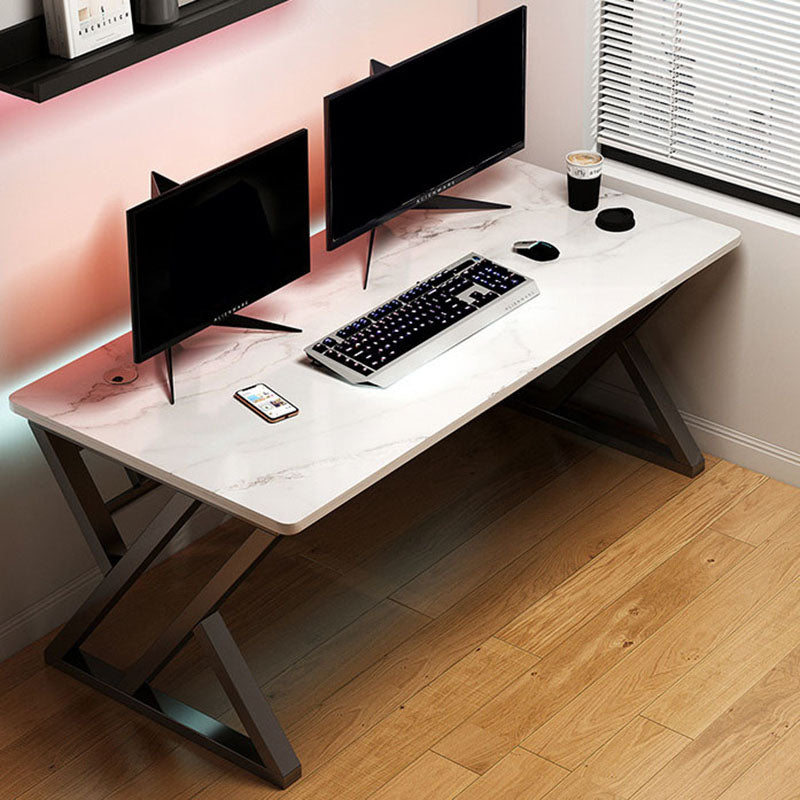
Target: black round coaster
x,y
615,219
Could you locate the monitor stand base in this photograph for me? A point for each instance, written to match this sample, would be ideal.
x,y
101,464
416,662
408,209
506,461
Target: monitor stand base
x,y
231,321
442,202
240,321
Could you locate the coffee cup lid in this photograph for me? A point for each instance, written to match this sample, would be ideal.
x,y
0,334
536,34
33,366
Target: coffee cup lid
x,y
584,158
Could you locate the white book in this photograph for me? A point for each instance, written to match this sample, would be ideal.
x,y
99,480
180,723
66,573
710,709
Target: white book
x,y
76,27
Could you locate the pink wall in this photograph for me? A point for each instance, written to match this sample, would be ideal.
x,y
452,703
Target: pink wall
x,y
68,170
70,167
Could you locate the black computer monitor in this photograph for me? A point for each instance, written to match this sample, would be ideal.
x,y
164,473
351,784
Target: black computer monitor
x,y
401,136
211,246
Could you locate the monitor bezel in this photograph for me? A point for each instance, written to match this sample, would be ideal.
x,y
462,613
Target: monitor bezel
x,y
333,242
169,196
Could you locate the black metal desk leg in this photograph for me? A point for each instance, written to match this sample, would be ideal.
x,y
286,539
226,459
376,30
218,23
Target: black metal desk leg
x,y
206,602
123,575
266,752
254,711
79,490
670,445
139,487
666,416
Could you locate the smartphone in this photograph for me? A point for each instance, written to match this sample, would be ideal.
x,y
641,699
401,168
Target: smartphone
x,y
266,402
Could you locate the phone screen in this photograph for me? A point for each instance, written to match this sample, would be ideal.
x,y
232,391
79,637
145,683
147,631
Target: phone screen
x,y
268,402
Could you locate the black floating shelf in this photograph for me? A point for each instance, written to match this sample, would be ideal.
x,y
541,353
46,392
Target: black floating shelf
x,y
28,70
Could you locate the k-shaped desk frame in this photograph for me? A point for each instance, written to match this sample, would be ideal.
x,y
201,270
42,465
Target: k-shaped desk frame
x,y
267,751
592,303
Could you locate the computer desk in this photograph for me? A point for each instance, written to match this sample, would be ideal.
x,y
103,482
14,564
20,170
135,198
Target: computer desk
x,y
282,478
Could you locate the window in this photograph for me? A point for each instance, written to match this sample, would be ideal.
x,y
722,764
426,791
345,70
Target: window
x,y
704,90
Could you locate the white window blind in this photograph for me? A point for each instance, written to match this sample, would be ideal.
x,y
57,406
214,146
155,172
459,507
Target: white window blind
x,y
710,86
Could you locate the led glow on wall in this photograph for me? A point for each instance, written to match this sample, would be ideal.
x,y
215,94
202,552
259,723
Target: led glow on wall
x,y
70,167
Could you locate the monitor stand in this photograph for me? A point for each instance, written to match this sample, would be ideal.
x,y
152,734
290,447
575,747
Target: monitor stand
x,y
158,186
231,321
240,321
442,202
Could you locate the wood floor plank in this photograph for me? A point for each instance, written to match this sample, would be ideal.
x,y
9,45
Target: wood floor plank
x,y
344,715
520,775
280,588
451,578
72,730
35,701
177,775
430,777
603,642
775,775
734,741
135,746
451,525
394,742
585,789
606,706
624,764
541,627
697,699
761,513
23,665
307,682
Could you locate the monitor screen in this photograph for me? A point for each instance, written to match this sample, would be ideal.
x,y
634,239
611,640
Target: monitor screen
x,y
396,138
217,243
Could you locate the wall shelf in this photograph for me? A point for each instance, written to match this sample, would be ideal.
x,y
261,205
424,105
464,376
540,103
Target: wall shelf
x,y
28,70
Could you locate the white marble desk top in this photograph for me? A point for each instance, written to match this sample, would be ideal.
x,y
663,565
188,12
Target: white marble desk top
x,y
283,477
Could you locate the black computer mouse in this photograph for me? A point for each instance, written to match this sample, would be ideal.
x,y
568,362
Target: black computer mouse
x,y
537,250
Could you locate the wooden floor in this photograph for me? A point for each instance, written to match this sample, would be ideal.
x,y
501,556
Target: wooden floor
x,y
516,614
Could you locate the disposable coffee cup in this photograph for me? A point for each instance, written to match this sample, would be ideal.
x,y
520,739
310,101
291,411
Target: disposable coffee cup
x,y
584,168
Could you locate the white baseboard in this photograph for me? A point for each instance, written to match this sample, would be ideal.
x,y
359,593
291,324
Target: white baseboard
x,y
745,450
712,437
48,613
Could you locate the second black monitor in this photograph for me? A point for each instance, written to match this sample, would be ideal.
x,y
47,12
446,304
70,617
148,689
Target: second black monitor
x,y
207,248
401,136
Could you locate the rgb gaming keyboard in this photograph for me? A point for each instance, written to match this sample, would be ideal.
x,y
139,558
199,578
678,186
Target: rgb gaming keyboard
x,y
415,326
